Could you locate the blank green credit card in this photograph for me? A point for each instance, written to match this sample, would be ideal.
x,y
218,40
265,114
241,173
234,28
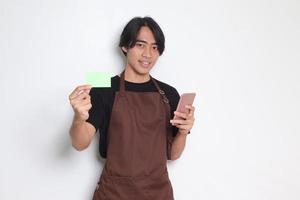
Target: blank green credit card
x,y
98,79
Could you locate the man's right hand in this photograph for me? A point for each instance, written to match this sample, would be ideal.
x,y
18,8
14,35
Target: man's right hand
x,y
80,101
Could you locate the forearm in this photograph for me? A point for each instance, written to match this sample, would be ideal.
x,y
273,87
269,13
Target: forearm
x,y
79,134
178,145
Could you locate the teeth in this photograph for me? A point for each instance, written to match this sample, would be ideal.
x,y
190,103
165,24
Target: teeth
x,y
145,63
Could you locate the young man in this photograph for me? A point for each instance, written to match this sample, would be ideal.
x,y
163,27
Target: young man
x,y
134,118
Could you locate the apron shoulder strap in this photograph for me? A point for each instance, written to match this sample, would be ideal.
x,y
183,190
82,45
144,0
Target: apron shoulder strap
x,y
122,82
161,92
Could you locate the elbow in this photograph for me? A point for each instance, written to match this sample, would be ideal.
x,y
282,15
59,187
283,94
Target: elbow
x,y
174,157
79,147
77,143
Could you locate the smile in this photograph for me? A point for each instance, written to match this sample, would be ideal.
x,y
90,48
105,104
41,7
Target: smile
x,y
145,63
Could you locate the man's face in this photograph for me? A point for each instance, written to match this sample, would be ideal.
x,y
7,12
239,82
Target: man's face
x,y
144,54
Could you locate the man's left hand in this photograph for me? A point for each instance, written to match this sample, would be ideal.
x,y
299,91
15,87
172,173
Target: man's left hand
x,y
185,121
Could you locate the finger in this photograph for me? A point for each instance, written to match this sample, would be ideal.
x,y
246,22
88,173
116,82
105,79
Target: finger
x,y
87,107
186,122
191,115
178,121
74,95
181,114
78,90
85,101
83,87
81,101
85,92
83,108
190,108
81,96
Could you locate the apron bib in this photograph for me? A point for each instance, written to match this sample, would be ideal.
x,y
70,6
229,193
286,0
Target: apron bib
x,y
139,143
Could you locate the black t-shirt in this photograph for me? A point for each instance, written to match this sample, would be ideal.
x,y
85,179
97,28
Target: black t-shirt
x,y
102,102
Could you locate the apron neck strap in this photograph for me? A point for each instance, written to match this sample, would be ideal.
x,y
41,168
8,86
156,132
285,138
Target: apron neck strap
x,y
122,82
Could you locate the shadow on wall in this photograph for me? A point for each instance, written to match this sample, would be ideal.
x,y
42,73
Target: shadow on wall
x,y
65,150
55,150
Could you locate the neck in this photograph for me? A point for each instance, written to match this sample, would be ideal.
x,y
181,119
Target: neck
x,y
135,77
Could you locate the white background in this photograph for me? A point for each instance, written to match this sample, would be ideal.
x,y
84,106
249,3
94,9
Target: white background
x,y
242,58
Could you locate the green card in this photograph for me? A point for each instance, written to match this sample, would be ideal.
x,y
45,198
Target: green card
x,y
98,79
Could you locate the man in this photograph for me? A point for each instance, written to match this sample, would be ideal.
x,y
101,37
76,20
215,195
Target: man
x,y
134,119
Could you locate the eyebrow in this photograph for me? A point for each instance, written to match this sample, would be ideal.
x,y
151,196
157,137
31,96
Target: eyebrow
x,y
143,41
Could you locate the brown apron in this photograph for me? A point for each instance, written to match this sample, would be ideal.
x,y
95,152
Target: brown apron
x,y
139,143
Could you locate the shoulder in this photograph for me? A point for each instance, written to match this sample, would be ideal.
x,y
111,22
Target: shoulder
x,y
168,89
171,93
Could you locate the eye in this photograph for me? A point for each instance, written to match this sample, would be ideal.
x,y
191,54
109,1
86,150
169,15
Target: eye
x,y
140,44
155,48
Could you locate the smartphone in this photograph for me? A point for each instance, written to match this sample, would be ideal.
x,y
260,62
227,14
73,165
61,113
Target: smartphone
x,y
185,99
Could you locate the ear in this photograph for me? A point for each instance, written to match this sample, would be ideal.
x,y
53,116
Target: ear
x,y
124,49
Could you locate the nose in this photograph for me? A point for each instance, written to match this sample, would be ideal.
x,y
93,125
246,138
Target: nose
x,y
147,53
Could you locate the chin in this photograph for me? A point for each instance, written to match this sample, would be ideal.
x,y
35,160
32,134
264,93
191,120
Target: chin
x,y
142,70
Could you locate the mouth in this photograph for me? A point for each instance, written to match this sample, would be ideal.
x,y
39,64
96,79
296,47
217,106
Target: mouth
x,y
145,64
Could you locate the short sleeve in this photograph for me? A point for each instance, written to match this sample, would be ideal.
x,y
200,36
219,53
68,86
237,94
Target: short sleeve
x,y
96,113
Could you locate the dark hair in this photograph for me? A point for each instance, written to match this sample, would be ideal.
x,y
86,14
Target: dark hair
x,y
130,32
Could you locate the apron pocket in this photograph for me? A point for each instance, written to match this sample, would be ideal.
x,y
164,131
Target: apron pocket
x,y
160,188
117,188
